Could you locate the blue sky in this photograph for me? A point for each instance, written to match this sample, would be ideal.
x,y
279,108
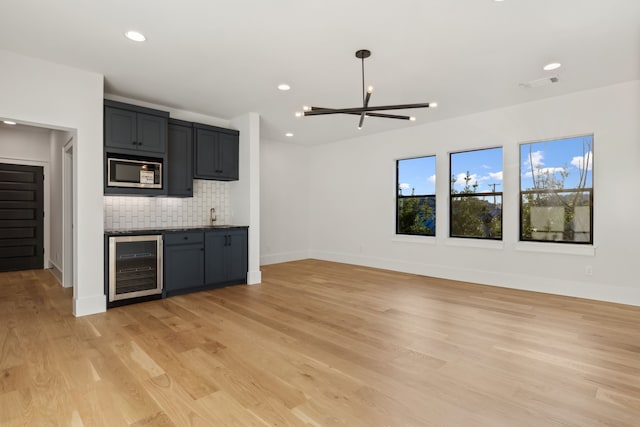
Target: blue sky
x,y
485,166
553,156
418,174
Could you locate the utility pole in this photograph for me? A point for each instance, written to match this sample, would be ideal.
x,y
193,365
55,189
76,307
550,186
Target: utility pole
x,y
493,189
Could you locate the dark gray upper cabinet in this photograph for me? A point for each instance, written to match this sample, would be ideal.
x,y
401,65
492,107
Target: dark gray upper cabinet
x,y
180,158
120,128
134,129
216,153
152,133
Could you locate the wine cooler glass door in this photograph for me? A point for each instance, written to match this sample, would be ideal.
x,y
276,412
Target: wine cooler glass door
x,y
135,266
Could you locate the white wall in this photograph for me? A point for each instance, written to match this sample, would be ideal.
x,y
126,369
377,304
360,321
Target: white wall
x,y
352,196
245,193
284,201
59,97
24,143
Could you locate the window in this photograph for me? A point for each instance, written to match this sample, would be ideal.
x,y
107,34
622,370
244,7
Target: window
x,y
556,190
416,201
476,196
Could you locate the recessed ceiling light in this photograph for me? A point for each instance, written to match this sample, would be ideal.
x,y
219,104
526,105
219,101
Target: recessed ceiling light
x,y
433,104
284,86
135,36
298,113
288,134
552,66
8,122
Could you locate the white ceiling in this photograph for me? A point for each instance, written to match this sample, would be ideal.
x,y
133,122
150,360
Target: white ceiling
x,y
225,58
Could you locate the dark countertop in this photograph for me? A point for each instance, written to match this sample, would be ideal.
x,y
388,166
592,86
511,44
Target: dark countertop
x,y
163,230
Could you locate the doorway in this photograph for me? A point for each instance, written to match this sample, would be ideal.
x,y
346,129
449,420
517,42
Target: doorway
x,y
21,217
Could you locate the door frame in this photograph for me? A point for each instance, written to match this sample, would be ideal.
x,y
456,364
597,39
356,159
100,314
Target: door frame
x,y
47,208
68,214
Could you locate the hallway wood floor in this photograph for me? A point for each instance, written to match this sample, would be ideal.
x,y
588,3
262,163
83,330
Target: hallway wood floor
x,y
319,344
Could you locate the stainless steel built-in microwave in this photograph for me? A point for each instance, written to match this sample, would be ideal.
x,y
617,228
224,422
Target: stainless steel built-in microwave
x,y
133,173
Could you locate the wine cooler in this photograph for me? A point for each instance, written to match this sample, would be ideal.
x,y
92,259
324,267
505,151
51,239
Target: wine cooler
x,y
135,266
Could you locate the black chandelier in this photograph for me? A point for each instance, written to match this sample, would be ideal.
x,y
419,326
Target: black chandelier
x,y
366,110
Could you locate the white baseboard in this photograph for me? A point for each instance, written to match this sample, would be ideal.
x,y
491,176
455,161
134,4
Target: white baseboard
x,y
56,271
89,305
283,257
571,288
254,277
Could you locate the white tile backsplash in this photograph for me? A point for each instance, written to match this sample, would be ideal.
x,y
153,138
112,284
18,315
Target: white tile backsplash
x,y
123,212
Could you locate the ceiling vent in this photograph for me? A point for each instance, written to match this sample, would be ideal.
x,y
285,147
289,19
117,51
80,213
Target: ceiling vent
x,y
540,82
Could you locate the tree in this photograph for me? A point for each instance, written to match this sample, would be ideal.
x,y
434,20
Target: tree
x,y
415,215
471,215
548,191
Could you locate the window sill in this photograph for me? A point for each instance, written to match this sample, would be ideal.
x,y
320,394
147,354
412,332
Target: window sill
x,y
474,243
423,240
556,248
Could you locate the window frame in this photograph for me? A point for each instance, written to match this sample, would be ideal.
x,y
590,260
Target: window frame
x,y
487,194
398,197
589,190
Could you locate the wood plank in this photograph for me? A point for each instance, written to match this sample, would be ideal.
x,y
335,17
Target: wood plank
x,y
319,344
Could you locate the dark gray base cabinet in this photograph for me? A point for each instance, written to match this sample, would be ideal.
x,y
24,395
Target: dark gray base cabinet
x,y
197,260
183,262
226,256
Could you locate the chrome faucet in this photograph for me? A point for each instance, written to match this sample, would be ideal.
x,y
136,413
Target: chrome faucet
x,y
212,216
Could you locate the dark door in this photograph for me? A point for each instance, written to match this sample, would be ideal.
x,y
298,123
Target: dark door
x,y
21,213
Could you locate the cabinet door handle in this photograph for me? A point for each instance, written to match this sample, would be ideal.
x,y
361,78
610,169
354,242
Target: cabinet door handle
x,y
186,238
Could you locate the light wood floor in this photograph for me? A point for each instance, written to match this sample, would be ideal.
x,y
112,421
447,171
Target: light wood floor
x,y
319,344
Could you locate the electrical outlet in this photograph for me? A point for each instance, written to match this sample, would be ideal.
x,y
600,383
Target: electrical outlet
x,y
588,270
